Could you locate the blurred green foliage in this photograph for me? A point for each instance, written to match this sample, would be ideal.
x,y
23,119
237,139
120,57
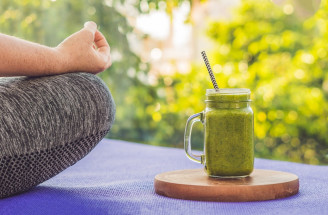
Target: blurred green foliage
x,y
281,59
284,62
49,22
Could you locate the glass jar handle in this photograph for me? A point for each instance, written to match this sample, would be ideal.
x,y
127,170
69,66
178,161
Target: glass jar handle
x,y
187,138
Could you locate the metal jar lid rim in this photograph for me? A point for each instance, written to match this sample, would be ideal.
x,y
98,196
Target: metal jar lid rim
x,y
228,91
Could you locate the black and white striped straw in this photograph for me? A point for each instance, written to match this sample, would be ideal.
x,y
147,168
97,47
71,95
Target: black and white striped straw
x,y
209,69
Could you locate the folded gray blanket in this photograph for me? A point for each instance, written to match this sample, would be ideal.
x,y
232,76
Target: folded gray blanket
x,y
47,124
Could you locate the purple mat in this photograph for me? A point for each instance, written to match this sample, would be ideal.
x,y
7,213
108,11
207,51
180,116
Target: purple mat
x,y
117,178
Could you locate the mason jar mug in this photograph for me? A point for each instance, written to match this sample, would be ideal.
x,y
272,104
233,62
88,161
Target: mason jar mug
x,y
229,133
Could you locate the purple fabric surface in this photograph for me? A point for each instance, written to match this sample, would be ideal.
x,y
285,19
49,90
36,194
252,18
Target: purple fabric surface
x,y
117,178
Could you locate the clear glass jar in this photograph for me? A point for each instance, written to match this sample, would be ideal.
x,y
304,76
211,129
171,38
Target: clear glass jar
x,y
228,123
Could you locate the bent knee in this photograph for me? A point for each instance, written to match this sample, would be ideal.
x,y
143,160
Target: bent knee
x,y
98,99
55,108
49,123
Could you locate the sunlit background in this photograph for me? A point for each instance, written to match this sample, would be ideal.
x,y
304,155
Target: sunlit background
x,y
276,48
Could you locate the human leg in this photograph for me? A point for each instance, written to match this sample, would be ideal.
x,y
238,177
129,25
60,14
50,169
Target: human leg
x,y
47,124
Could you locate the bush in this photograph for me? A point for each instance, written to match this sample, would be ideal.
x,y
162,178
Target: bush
x,y
284,62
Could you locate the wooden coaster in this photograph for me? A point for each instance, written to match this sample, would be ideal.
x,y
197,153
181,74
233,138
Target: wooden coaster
x,y
194,184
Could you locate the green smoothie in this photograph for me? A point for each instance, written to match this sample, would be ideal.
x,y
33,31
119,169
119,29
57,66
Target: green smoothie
x,y
228,121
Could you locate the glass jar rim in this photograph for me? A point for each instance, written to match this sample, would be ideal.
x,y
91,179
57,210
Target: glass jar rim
x,y
228,91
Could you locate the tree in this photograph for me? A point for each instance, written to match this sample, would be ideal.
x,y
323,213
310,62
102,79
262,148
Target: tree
x,y
49,22
284,62
281,59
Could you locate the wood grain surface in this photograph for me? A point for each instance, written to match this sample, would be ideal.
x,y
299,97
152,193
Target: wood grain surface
x,y
194,184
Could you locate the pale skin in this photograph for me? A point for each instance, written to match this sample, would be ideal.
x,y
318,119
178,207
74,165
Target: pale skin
x,y
84,51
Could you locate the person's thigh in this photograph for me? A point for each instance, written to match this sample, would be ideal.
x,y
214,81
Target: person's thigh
x,y
47,124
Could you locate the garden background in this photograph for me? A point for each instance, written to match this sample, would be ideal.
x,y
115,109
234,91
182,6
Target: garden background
x,y
157,79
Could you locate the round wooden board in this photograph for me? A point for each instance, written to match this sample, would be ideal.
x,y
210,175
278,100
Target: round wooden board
x,y
194,184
